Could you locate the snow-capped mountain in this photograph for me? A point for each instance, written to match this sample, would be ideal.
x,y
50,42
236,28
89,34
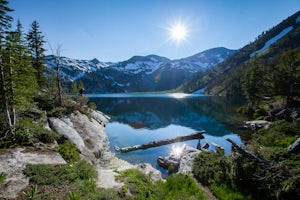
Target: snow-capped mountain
x,y
203,60
139,73
74,69
137,64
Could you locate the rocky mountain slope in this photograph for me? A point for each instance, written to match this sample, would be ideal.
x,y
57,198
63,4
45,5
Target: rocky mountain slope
x,y
139,73
224,78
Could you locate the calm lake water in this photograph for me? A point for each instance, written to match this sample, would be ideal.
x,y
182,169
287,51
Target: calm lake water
x,y
141,118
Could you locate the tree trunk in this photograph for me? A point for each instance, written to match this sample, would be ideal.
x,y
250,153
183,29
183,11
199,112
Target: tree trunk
x,y
193,136
58,82
245,152
12,91
4,94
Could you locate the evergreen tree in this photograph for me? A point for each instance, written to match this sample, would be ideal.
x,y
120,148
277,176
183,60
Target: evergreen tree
x,y
36,43
74,88
253,83
7,123
25,83
287,75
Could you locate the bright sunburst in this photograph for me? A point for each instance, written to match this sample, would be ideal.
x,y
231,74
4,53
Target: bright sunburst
x,y
178,32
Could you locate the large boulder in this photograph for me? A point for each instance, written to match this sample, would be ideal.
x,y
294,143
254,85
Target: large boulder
x,y
187,158
87,132
65,128
182,161
257,124
91,131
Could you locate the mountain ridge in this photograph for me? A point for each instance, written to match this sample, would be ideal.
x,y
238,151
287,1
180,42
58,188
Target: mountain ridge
x,y
138,73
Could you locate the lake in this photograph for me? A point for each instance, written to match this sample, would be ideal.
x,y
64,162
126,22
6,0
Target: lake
x,y
141,118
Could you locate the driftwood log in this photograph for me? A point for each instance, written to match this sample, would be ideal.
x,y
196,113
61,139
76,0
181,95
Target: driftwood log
x,y
193,136
295,147
245,153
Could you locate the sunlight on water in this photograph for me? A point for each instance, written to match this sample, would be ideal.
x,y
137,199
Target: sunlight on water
x,y
177,150
179,95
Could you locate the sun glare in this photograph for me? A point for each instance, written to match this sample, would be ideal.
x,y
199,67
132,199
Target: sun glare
x,y
176,150
178,32
179,95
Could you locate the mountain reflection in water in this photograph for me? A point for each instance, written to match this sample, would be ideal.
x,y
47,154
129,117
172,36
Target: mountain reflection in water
x,y
138,119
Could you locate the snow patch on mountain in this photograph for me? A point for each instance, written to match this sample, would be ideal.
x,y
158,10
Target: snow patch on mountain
x,y
138,64
74,68
273,40
206,59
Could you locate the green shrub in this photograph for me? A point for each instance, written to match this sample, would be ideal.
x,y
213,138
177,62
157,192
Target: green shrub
x,y
58,111
171,169
2,177
210,168
29,132
86,186
223,192
85,170
137,183
181,186
69,151
93,106
280,134
45,101
82,100
260,113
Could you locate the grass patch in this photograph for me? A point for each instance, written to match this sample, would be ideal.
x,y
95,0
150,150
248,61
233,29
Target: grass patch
x,y
181,186
74,181
56,175
223,192
177,186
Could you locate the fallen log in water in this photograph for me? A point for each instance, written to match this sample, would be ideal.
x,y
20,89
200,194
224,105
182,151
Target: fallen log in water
x,y
193,136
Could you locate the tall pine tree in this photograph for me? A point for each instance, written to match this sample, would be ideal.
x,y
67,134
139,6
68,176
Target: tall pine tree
x,y
24,81
36,43
7,115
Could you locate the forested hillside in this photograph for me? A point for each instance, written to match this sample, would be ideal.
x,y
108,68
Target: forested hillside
x,y
226,78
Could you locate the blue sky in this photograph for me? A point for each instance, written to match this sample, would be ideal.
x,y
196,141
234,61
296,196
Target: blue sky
x,y
115,30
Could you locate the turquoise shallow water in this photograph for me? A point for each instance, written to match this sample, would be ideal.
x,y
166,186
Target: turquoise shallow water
x,y
141,118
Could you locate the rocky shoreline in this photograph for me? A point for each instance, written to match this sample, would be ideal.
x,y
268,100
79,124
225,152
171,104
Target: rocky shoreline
x,y
87,132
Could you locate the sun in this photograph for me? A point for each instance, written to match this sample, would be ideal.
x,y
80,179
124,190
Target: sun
x,y
178,32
